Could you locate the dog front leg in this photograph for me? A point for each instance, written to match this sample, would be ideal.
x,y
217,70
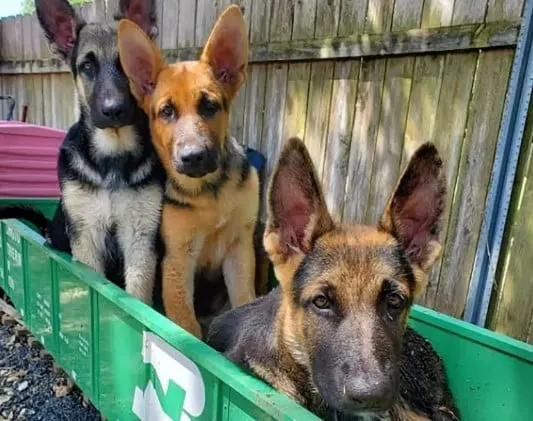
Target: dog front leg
x,y
178,292
87,215
87,248
238,269
140,262
138,214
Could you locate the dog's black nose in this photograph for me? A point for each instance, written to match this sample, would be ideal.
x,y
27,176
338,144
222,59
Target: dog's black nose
x,y
112,109
194,156
195,160
372,396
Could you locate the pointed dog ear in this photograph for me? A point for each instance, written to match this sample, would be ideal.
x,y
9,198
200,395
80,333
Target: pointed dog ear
x,y
142,12
415,209
297,214
226,50
60,24
140,59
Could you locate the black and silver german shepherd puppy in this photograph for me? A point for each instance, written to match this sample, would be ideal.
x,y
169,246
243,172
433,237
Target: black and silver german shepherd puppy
x,y
110,177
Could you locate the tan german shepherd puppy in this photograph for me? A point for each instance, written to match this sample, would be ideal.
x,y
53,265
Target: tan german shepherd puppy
x,y
212,194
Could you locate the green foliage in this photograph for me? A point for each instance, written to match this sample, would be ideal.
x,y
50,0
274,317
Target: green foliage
x,y
28,6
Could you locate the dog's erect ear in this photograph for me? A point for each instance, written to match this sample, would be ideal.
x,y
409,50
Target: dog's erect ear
x,y
142,12
60,24
226,50
140,59
297,212
415,210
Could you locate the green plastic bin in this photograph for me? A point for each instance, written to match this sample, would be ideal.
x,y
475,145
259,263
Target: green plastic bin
x,y
133,363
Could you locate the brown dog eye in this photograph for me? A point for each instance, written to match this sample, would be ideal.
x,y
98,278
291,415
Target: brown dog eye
x,y
207,108
87,68
395,304
395,300
168,112
321,302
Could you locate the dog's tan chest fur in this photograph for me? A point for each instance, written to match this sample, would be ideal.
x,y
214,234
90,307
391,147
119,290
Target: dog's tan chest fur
x,y
134,213
211,234
215,222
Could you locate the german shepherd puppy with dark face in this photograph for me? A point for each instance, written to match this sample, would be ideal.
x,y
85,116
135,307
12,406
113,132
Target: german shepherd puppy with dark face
x,y
333,335
110,177
212,193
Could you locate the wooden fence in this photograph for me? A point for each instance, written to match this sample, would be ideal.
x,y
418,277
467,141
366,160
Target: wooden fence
x,y
362,81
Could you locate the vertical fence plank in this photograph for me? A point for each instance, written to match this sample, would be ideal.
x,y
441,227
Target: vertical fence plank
x,y
299,73
35,100
44,46
339,138
318,108
159,5
3,104
434,14
379,16
47,100
467,11
378,19
168,26
427,78
337,166
253,112
3,39
352,16
437,13
36,34
364,135
473,179
111,8
512,308
256,84
463,12
236,123
206,15
35,96
394,106
7,38
320,86
504,10
407,14
386,163
27,36
448,136
276,88
94,11
186,23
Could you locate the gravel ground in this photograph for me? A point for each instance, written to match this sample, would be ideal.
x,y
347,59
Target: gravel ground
x,y
31,387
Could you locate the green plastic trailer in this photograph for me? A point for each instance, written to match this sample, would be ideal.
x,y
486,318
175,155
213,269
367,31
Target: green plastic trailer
x,y
134,364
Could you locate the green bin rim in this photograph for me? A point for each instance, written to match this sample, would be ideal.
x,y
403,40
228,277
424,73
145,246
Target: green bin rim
x,y
486,337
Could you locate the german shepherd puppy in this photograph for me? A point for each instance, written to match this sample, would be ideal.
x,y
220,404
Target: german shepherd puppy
x,y
333,335
212,194
110,177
